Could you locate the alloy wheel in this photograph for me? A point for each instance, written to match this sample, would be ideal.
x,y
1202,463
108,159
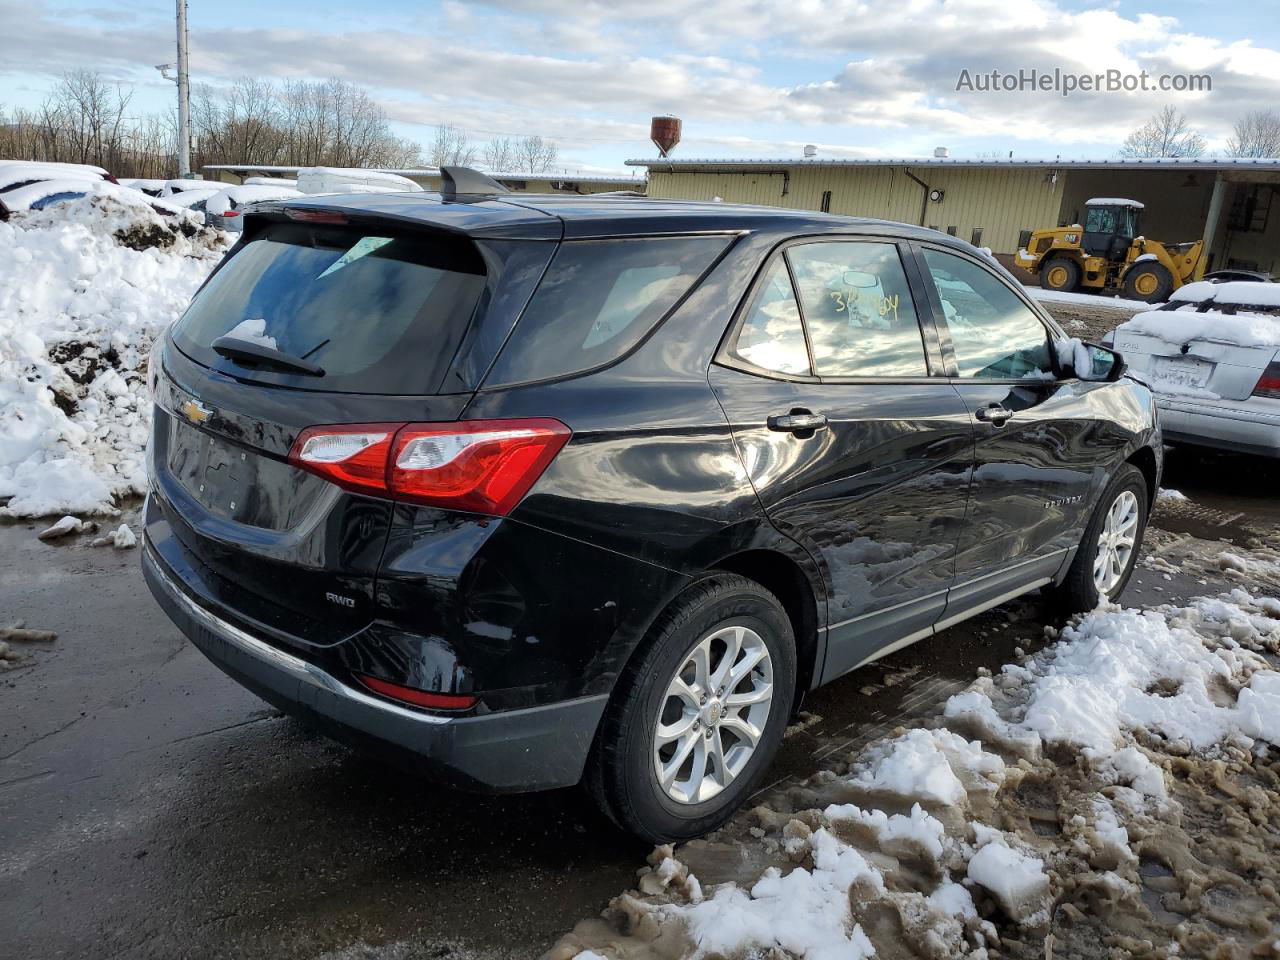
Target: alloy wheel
x,y
713,714
1116,542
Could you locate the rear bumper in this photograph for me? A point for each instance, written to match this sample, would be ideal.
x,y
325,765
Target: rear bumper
x,y
512,751
1234,428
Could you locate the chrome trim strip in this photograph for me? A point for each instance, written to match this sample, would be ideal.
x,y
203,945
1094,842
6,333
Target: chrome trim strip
x,y
896,606
286,663
894,647
968,612
958,586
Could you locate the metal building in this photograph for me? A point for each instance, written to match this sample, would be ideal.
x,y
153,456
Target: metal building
x,y
1230,203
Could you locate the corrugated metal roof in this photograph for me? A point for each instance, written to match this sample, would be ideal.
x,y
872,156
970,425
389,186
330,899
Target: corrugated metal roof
x,y
1145,163
575,177
435,172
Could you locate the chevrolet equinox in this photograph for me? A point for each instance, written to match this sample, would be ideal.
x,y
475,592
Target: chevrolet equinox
x,y
528,491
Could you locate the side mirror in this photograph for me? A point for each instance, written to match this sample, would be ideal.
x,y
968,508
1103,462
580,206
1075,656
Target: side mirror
x,y
1105,364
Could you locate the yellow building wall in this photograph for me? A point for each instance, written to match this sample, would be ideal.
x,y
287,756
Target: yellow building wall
x,y
1000,202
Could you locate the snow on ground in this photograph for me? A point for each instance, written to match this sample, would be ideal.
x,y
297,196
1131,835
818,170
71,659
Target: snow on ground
x,y
1087,299
1119,797
84,288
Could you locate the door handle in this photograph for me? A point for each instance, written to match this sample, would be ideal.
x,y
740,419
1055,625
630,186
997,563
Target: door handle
x,y
798,421
995,414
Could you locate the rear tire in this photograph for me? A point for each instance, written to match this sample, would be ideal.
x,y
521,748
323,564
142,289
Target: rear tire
x,y
1121,516
1149,281
1060,273
637,739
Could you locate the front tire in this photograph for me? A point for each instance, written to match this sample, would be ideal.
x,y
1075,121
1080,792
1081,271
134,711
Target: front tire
x,y
1060,273
697,718
1108,551
1149,281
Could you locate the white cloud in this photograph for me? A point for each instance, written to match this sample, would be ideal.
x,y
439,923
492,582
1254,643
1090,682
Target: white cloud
x,y
744,76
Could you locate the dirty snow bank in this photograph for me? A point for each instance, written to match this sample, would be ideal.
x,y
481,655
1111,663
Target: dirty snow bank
x,y
1121,792
84,288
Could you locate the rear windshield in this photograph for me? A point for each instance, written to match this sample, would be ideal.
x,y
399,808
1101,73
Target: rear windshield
x,y
378,311
599,298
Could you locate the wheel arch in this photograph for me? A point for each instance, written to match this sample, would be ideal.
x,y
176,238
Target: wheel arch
x,y
782,576
1144,458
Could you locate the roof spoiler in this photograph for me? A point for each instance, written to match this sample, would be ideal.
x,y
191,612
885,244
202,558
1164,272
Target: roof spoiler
x,y
458,182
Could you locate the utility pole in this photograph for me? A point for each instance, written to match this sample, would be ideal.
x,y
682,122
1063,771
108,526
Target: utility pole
x,y
184,97
184,93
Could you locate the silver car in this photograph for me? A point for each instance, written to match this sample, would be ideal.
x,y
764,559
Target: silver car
x,y
1212,357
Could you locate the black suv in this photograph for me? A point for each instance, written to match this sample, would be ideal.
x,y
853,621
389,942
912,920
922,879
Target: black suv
x,y
534,490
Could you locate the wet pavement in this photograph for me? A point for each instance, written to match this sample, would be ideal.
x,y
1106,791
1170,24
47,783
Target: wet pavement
x,y
150,807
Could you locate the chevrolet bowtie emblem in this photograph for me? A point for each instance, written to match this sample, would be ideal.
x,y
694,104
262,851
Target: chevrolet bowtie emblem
x,y
195,411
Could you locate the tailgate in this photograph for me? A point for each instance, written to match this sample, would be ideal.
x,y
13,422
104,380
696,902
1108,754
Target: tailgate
x,y
277,545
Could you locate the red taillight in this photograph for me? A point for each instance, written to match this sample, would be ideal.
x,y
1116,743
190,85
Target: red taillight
x,y
482,466
1269,382
419,698
230,213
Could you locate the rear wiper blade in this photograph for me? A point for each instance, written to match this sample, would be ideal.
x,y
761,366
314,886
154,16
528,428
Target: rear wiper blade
x,y
249,352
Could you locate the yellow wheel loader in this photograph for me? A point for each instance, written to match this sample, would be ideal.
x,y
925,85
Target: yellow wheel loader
x,y
1108,254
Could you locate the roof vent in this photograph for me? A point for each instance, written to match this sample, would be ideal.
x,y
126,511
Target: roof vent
x,y
810,150
464,182
941,152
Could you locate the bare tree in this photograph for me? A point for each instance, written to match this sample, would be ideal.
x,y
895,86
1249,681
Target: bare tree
x,y
1256,134
330,123
1167,134
535,155
451,147
499,155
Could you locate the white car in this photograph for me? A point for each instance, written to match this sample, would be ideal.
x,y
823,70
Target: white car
x,y
223,209
1212,357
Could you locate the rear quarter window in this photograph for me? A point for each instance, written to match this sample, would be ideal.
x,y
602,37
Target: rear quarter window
x,y
598,299
380,311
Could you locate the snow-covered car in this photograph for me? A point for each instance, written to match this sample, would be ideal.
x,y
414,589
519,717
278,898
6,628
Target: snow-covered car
x,y
192,199
151,187
172,187
270,182
18,173
1212,357
47,193
224,208
312,180
24,183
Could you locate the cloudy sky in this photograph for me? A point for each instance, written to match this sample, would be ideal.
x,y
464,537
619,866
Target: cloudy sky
x,y
749,78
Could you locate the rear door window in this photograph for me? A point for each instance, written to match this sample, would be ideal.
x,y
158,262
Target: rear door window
x,y
380,311
858,310
599,298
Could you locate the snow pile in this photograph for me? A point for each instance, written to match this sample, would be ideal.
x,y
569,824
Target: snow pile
x,y
1124,670
84,288
923,844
